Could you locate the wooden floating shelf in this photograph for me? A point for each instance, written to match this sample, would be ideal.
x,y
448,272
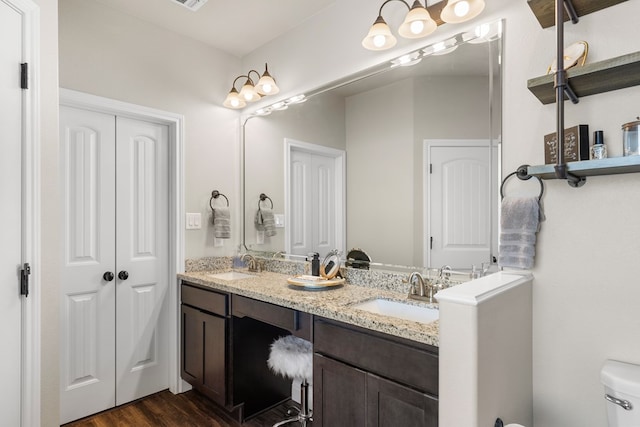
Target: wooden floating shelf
x,y
544,10
609,166
590,79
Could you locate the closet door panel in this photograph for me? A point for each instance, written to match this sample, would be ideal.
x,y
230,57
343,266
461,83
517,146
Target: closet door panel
x,y
87,147
142,258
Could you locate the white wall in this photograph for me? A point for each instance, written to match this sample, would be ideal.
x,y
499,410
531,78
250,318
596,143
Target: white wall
x,y
107,53
380,188
585,293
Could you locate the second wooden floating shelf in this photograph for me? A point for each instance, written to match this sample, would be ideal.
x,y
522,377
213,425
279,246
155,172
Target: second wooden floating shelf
x,y
544,10
584,168
598,77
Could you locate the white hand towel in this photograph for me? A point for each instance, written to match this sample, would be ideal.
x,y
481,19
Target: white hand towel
x,y
519,223
265,221
222,223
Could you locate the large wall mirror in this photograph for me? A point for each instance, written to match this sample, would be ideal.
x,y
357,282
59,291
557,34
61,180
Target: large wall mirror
x,y
401,161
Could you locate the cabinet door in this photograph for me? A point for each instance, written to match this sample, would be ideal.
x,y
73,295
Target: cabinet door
x,y
192,346
214,357
390,405
339,394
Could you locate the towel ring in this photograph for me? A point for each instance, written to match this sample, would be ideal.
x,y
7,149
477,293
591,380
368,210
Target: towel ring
x,y
264,197
214,195
523,174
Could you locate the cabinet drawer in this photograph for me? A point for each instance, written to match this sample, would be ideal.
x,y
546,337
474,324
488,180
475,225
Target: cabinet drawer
x,y
206,300
296,322
396,359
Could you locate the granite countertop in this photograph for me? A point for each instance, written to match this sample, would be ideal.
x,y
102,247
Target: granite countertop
x,y
334,303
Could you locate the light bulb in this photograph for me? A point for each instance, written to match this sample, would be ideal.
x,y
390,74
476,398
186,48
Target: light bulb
x,y
482,30
461,8
438,47
378,41
267,88
235,102
417,27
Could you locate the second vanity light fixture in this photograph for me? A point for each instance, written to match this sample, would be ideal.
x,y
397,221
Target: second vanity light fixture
x,y
418,21
250,91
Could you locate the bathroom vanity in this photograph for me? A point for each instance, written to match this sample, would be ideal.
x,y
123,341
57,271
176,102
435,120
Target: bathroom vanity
x,y
366,366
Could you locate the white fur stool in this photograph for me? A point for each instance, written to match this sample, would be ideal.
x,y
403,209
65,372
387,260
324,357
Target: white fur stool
x,y
292,357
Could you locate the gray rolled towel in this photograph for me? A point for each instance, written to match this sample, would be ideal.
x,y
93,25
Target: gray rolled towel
x,y
265,221
519,223
222,223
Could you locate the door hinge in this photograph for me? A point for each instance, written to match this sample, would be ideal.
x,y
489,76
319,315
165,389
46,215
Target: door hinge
x,y
431,242
24,279
24,76
430,167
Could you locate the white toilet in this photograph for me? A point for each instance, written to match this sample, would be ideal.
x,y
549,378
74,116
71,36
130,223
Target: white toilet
x,y
622,392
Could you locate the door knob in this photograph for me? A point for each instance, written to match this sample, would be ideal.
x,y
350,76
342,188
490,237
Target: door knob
x,y
123,275
108,276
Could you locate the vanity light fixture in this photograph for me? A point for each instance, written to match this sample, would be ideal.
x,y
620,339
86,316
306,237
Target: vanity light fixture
x,y
279,106
441,48
298,99
407,60
457,11
484,33
417,23
251,92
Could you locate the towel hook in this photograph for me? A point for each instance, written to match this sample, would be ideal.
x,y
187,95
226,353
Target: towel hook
x,y
264,197
214,195
522,173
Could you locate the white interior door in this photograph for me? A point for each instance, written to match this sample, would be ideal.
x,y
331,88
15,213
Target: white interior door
x,y
87,329
300,219
323,203
142,252
313,196
10,213
113,325
460,208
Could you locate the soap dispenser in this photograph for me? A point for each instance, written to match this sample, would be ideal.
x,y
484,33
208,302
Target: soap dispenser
x,y
315,264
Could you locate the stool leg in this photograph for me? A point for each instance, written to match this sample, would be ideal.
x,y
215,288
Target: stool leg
x,y
305,413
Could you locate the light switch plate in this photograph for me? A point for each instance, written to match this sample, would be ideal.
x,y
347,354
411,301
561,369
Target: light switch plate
x,y
279,220
194,221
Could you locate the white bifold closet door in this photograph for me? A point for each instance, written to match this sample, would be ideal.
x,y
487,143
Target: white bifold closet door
x,y
114,343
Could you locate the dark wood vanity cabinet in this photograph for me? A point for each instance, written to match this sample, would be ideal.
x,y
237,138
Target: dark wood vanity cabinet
x,y
203,346
363,378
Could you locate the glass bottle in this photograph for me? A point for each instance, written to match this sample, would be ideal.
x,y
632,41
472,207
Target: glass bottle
x,y
598,149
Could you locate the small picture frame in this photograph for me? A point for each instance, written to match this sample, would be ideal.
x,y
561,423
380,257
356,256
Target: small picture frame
x,y
576,145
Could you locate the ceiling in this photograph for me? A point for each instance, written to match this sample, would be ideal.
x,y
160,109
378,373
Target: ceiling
x,y
234,26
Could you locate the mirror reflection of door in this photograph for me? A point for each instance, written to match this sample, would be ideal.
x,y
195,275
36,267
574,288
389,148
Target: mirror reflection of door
x,y
314,198
458,195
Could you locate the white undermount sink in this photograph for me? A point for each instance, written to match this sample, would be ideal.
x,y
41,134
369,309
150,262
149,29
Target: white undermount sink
x,y
231,275
399,309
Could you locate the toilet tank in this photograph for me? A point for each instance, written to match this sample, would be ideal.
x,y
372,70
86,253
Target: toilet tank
x,y
622,393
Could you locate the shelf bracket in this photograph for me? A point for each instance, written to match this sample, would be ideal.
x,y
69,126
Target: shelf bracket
x,y
571,11
573,180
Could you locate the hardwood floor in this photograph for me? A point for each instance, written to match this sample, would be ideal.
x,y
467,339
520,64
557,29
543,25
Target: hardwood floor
x,y
164,409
